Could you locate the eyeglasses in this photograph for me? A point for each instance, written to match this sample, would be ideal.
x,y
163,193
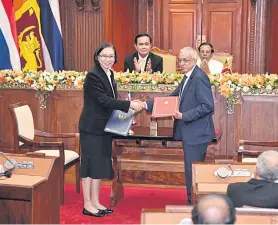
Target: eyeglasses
x,y
106,57
185,61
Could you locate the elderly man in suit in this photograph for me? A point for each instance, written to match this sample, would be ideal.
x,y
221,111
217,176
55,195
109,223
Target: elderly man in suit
x,y
143,59
261,191
193,123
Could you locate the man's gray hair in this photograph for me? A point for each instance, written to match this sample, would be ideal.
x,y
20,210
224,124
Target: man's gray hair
x,y
192,51
267,165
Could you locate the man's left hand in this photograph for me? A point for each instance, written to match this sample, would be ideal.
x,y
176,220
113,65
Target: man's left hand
x,y
178,115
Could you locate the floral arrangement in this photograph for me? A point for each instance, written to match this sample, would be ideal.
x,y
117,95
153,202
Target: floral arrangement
x,y
228,84
46,81
43,81
147,78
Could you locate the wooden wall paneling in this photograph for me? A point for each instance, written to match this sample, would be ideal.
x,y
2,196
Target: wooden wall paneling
x,y
142,15
215,149
272,36
258,28
222,25
89,34
108,22
157,23
83,31
180,23
254,125
124,29
260,48
121,27
245,43
2,118
67,15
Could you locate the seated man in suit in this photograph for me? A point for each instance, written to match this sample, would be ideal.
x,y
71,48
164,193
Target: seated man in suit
x,y
206,63
261,191
214,209
143,59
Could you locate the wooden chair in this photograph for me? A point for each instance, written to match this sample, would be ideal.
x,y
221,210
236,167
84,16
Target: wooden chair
x,y
24,139
206,177
181,214
245,155
169,60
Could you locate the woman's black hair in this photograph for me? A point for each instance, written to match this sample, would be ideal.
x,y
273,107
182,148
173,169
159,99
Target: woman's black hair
x,y
99,50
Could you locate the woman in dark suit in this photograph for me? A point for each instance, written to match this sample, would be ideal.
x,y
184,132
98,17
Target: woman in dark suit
x,y
100,99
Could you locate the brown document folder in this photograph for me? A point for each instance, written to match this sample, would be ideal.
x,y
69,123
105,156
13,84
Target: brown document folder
x,y
165,106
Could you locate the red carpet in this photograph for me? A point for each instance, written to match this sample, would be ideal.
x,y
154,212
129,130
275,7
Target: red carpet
x,y
128,210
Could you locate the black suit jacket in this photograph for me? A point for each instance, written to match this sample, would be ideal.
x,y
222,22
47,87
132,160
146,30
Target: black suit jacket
x,y
257,193
157,62
197,106
99,101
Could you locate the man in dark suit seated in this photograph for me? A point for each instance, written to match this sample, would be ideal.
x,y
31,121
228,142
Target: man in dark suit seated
x,y
214,209
143,59
261,191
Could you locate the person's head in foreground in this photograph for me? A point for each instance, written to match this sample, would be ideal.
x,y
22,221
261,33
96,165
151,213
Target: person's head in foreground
x,y
214,209
267,166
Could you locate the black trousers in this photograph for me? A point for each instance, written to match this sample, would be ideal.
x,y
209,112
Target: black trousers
x,y
192,153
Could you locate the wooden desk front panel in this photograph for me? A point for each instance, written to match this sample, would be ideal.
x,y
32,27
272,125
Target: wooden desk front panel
x,y
10,209
245,123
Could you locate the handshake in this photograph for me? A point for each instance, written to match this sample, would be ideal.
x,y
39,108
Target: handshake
x,y
137,105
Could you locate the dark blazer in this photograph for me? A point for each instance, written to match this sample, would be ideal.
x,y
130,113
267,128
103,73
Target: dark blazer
x,y
197,106
99,101
157,62
257,193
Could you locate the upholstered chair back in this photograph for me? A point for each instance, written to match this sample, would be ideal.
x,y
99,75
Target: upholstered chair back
x,y
25,122
223,57
169,60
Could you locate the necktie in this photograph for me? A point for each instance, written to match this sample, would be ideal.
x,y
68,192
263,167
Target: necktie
x,y
142,64
182,85
112,83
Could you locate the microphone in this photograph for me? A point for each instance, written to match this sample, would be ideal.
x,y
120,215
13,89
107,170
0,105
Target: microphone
x,y
7,173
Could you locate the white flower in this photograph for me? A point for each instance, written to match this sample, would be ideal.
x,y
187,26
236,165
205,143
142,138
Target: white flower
x,y
245,89
50,88
269,87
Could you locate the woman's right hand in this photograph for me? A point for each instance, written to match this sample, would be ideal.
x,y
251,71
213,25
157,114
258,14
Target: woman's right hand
x,y
137,105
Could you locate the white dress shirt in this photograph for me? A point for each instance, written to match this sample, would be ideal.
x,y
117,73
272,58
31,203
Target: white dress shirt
x,y
188,74
215,67
142,62
108,73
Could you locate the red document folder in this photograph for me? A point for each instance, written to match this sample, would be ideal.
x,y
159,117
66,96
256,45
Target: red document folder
x,y
165,106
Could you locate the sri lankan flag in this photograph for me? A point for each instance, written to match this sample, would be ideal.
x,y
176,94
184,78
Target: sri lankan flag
x,y
227,69
31,44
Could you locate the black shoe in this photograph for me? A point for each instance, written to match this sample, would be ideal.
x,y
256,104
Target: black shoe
x,y
107,211
88,213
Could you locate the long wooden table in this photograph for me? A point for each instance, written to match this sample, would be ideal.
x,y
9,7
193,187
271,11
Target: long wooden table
x,y
151,153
